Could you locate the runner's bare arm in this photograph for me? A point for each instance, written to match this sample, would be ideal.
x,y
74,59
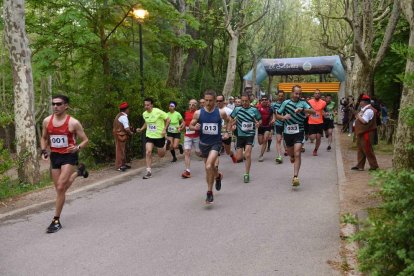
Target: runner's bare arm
x,y
194,125
225,118
80,133
167,123
141,129
44,140
309,111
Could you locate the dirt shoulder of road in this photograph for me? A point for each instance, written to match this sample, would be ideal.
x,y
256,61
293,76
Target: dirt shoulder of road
x,y
356,196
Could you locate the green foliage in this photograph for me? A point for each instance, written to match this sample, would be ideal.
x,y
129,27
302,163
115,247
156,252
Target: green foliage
x,y
6,163
389,236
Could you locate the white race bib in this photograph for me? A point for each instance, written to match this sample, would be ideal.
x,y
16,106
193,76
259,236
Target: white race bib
x,y
292,129
210,128
172,129
188,131
152,128
246,126
59,141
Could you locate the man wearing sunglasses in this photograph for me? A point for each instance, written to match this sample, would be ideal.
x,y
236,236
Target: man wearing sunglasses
x,y
60,132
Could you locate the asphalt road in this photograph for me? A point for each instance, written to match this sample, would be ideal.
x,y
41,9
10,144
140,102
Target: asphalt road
x,y
162,226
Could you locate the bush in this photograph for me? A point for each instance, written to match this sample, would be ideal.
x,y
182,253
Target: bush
x,y
388,239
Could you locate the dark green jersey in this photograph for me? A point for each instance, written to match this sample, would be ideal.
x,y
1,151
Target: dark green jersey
x,y
295,123
275,107
246,120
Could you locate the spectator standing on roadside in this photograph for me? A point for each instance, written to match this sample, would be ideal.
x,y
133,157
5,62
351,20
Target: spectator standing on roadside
x,y
121,131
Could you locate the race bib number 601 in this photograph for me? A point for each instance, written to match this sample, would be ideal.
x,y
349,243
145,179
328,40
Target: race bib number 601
x,y
210,128
59,141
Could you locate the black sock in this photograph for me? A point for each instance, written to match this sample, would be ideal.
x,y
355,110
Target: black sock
x,y
56,218
269,142
173,153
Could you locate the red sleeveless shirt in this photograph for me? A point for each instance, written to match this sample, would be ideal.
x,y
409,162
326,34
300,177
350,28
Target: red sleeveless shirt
x,y
60,137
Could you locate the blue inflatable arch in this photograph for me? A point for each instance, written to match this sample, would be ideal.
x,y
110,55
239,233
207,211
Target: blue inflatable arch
x,y
297,66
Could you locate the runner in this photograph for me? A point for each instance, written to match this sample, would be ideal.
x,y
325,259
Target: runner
x,y
278,126
156,124
292,113
226,142
174,130
316,120
201,103
191,138
328,120
60,132
208,120
247,119
265,128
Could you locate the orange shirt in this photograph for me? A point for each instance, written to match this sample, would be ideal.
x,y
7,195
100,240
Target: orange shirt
x,y
318,106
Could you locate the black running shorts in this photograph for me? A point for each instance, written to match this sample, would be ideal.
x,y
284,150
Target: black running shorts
x,y
328,124
174,135
243,141
263,129
158,142
292,139
315,129
57,160
205,149
226,141
279,130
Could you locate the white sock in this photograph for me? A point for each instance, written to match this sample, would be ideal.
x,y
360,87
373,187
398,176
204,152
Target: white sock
x,y
148,169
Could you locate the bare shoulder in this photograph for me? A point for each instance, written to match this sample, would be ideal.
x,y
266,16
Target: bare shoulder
x,y
196,114
47,120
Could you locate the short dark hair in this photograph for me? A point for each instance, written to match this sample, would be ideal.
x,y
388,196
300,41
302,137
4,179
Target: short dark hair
x,y
298,86
210,92
149,100
281,91
64,98
328,95
246,95
220,96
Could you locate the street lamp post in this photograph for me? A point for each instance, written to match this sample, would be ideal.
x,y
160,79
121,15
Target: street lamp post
x,y
140,15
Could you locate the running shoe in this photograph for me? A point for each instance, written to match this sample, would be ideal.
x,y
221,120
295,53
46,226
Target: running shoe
x,y
127,166
268,149
233,158
261,159
186,174
121,169
218,181
295,181
147,175
209,198
356,169
246,178
315,152
54,226
82,171
328,148
180,148
174,159
279,160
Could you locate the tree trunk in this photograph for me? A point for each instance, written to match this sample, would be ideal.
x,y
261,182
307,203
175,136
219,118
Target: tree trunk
x,y
231,65
404,140
360,77
177,51
20,57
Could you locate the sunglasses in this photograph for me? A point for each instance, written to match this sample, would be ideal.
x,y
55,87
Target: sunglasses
x,y
219,101
57,104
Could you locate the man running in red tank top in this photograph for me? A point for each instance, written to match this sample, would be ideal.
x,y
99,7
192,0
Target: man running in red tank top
x,y
60,132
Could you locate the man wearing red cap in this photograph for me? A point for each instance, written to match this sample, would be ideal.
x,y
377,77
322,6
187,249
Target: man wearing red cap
x,y
365,125
121,131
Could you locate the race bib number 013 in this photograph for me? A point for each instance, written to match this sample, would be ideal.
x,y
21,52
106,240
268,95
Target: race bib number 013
x,y
152,128
59,141
292,129
246,126
210,128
